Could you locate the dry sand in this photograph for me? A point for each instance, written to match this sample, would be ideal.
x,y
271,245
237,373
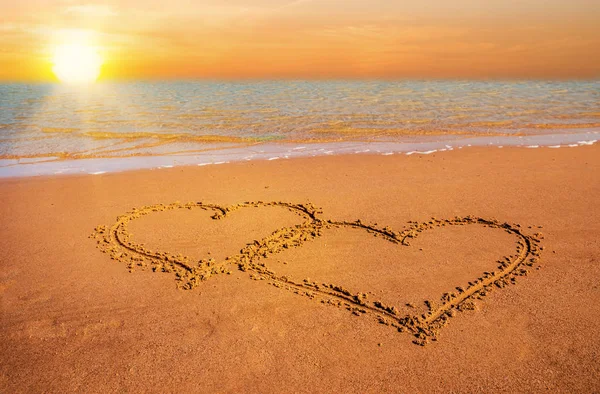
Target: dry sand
x,y
289,297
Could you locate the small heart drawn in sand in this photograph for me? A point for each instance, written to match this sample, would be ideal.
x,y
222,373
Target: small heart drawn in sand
x,y
116,241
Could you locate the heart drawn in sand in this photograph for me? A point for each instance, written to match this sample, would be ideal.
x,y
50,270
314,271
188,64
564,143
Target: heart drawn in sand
x,y
115,240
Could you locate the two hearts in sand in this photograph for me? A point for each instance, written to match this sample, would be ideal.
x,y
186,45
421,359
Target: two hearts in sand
x,y
116,241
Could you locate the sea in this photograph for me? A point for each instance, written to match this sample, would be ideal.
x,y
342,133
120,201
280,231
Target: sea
x,y
51,129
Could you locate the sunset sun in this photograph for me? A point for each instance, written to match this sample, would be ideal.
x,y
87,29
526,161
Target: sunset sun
x,y
76,63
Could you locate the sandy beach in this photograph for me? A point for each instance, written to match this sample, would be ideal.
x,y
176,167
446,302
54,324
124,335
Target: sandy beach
x,y
475,270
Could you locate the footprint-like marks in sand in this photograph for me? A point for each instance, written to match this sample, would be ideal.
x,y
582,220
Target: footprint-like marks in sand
x,y
116,241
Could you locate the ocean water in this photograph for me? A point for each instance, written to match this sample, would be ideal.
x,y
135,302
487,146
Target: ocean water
x,y
56,129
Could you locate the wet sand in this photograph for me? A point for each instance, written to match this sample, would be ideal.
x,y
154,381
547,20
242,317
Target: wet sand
x,y
472,270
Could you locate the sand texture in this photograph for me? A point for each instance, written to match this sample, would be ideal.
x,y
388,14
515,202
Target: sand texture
x,y
467,271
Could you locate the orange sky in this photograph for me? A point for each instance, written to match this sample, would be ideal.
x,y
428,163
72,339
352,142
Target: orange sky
x,y
141,39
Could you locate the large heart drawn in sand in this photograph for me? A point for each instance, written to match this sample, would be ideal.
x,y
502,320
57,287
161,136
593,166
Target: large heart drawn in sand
x,y
116,241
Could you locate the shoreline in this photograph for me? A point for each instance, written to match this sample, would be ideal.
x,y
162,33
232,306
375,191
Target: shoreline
x,y
16,168
75,319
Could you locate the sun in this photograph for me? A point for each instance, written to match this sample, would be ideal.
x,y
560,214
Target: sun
x,y
76,63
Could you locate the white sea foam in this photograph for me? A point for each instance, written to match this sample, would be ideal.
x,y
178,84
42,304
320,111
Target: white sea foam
x,y
532,146
273,158
421,153
97,172
554,146
387,153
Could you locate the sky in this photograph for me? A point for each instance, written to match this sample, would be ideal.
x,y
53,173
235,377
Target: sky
x,y
267,39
